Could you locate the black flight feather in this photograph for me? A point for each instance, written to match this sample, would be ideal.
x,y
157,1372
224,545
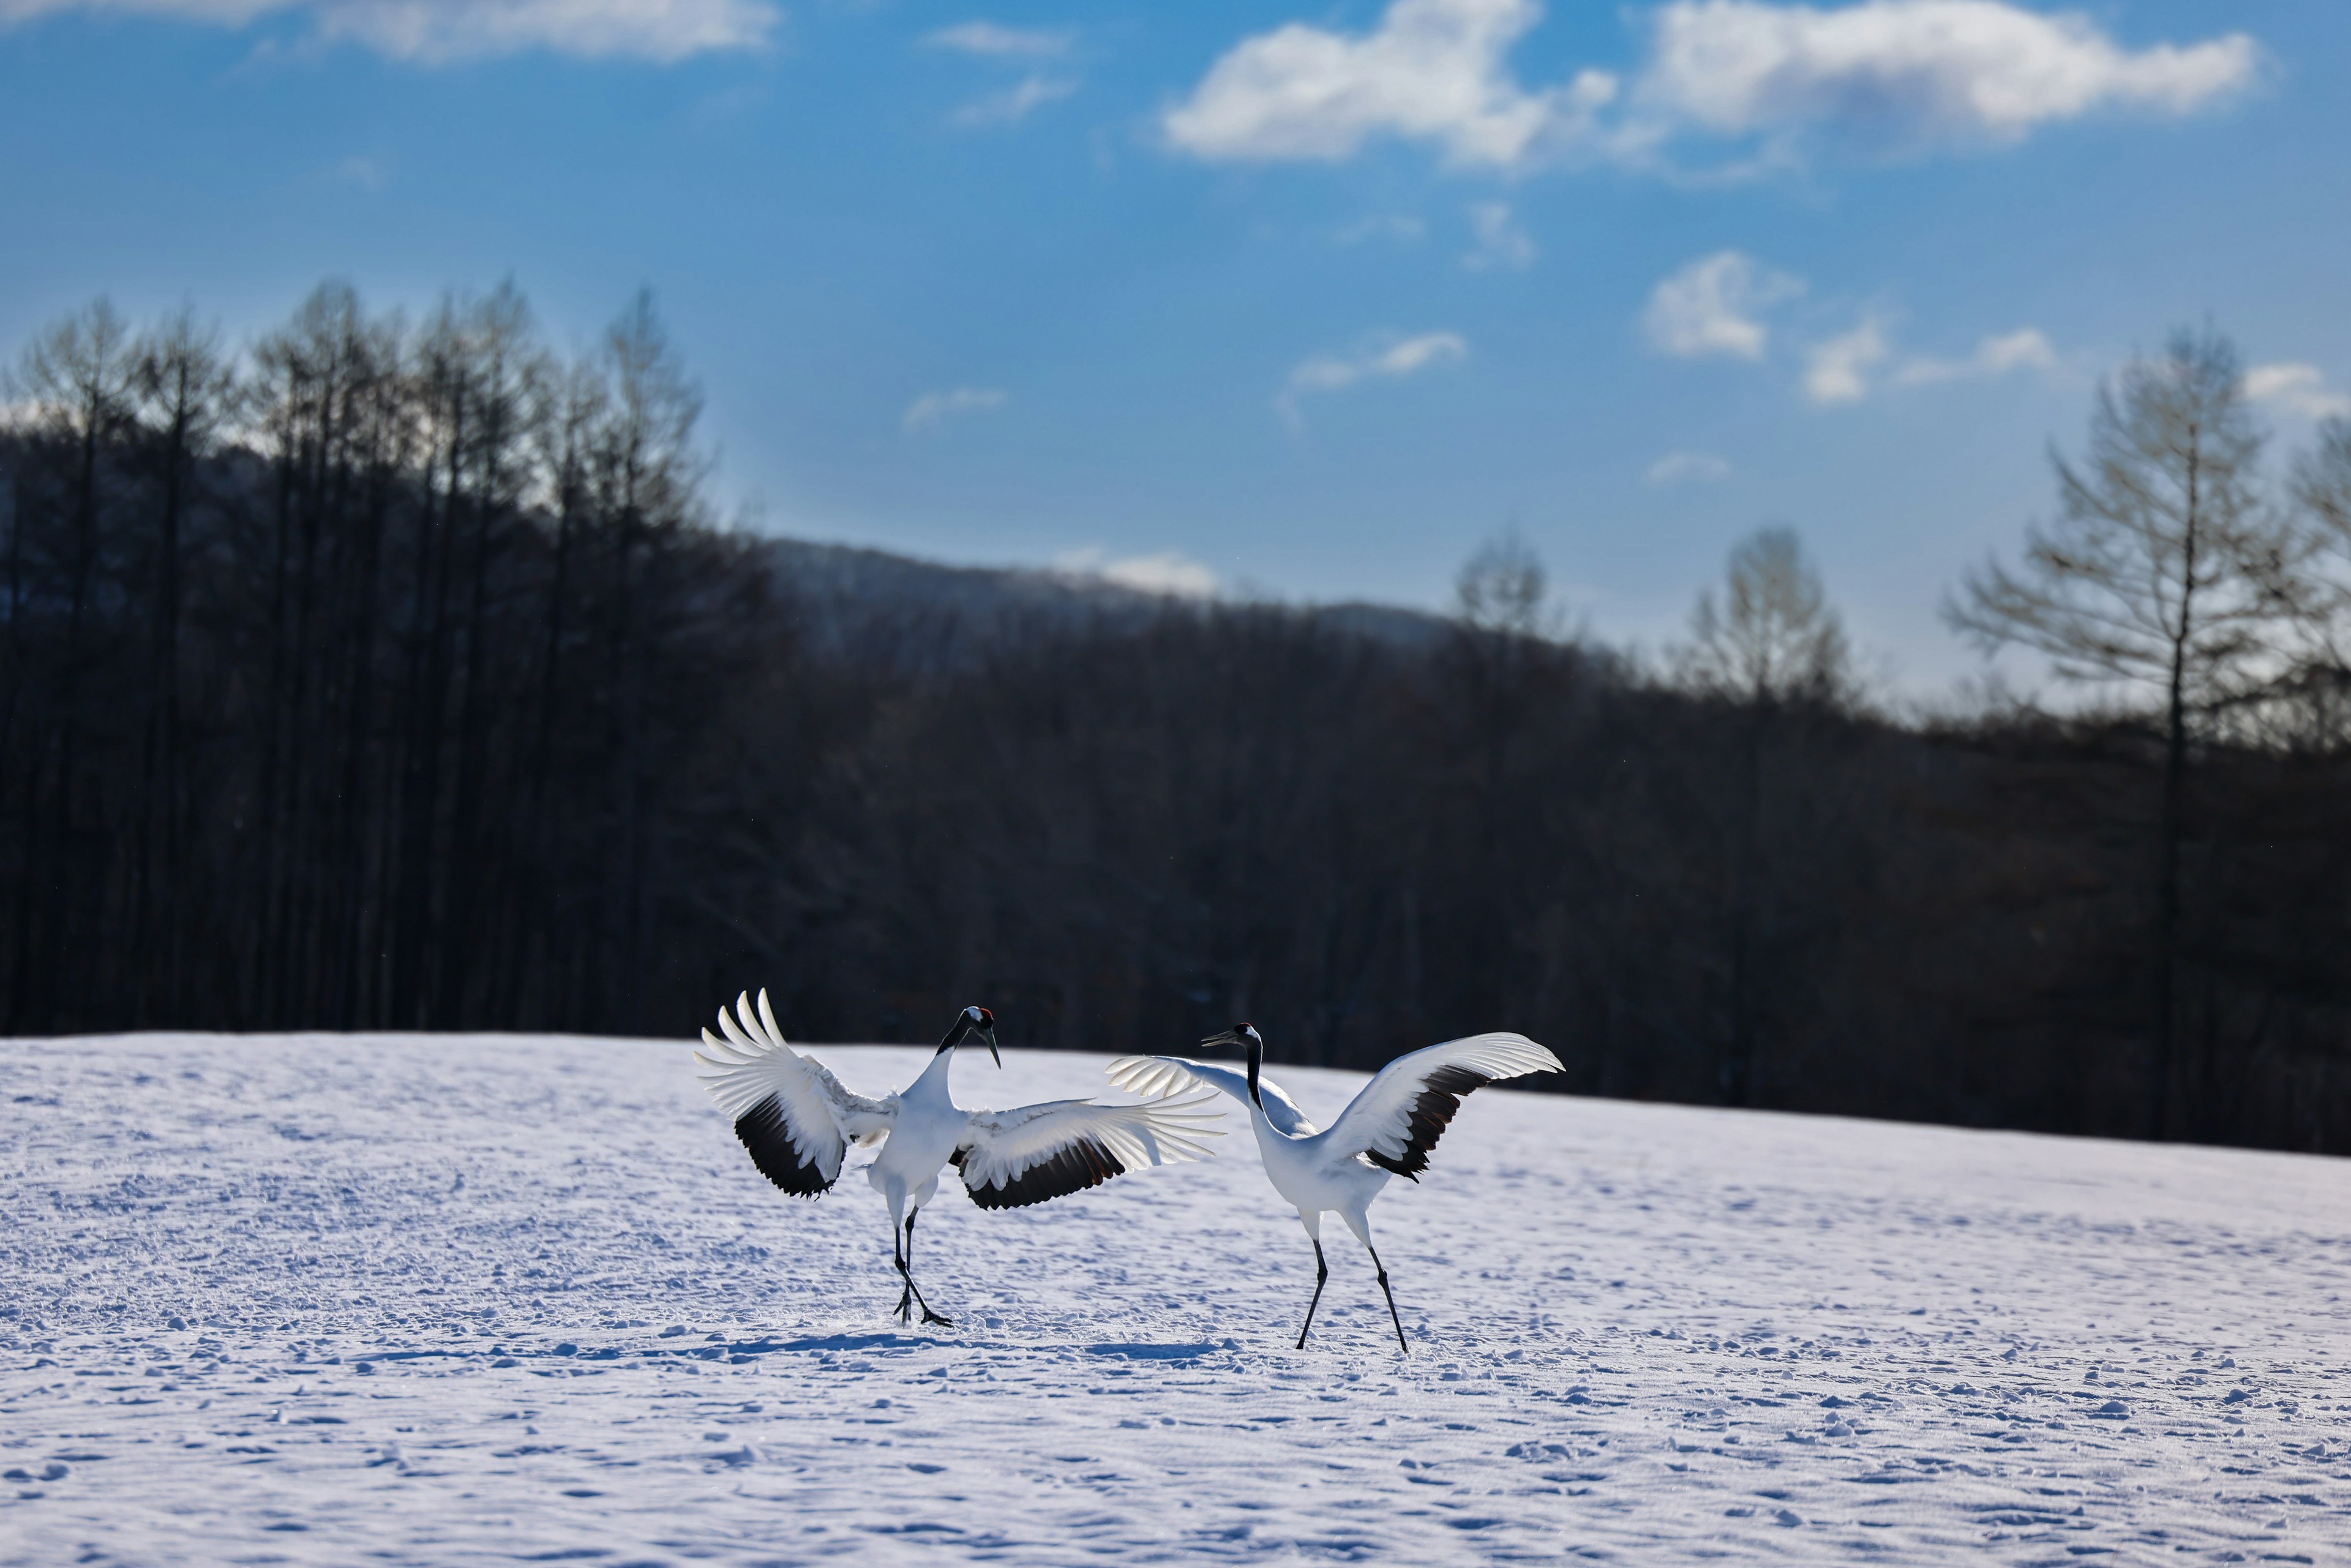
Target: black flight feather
x,y
1432,1112
768,1137
1072,1168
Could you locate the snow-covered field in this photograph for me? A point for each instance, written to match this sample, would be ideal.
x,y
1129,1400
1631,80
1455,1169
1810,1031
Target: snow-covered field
x,y
404,1300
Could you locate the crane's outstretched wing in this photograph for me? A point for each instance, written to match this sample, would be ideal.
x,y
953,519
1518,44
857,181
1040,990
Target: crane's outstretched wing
x,y
1012,1158
1167,1074
1406,1107
795,1117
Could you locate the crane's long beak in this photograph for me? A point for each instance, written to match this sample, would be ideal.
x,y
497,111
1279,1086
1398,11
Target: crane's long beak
x,y
989,1035
1229,1036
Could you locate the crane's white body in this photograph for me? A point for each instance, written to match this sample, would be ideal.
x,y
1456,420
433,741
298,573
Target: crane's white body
x,y
1314,1180
1310,1173
1387,1129
926,1126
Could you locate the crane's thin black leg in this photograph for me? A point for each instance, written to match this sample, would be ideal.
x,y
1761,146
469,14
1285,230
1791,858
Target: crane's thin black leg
x,y
905,1308
1321,1273
908,1269
1390,1295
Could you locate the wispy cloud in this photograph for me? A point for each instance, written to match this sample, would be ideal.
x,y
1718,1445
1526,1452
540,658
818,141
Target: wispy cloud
x,y
936,408
1846,368
1687,468
1028,46
2298,389
1716,305
444,32
1502,245
989,41
1838,370
2027,349
1014,104
1389,359
1883,76
1721,305
1171,573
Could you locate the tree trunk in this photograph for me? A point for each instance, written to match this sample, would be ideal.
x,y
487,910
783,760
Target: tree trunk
x,y
2171,825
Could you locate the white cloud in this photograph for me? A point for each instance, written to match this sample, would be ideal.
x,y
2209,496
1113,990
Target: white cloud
x,y
1014,104
1433,71
2297,389
936,408
1687,468
989,41
1502,243
1391,360
1887,74
1171,573
2027,349
442,32
1715,305
1917,71
1838,369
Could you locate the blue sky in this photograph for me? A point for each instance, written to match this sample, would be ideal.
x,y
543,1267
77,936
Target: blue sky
x,y
1305,299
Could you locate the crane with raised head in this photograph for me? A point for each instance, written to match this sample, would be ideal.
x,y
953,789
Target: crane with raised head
x,y
1386,1130
799,1121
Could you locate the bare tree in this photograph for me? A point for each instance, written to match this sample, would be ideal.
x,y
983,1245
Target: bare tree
x,y
2158,573
1773,642
2313,697
79,382
2322,483
1774,636
1503,588
184,386
650,469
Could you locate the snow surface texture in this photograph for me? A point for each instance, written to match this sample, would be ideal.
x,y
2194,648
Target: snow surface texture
x,y
463,1299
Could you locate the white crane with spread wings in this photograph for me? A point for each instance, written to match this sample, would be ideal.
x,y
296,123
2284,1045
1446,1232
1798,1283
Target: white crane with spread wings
x,y
1388,1129
798,1121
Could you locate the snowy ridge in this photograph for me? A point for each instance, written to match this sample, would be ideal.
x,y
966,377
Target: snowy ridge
x,y
463,1299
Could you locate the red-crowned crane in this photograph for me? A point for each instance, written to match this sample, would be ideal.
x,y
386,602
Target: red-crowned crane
x,y
797,1122
1387,1130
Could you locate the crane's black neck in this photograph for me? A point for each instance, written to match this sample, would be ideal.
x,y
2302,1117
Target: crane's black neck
x,y
956,1035
1256,1060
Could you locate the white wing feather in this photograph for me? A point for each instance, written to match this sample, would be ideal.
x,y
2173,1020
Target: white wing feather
x,y
1164,1075
1386,1119
1026,1156
753,1062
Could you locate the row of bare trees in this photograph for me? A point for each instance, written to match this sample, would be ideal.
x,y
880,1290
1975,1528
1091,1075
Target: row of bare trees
x,y
392,673
340,676
2178,575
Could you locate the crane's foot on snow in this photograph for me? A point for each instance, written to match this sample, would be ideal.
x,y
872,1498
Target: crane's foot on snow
x,y
910,1298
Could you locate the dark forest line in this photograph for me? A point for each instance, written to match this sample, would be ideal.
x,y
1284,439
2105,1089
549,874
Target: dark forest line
x,y
398,676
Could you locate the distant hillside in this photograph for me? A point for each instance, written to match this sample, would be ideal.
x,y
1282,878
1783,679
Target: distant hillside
x,y
871,606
